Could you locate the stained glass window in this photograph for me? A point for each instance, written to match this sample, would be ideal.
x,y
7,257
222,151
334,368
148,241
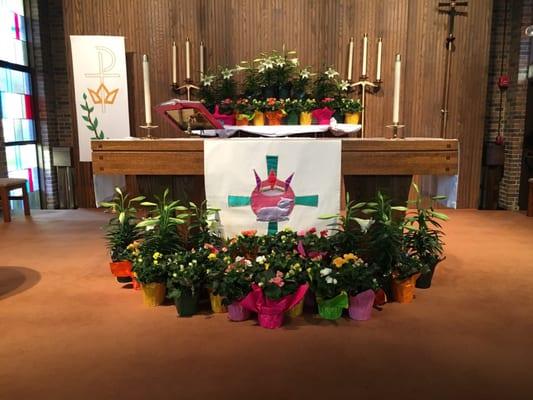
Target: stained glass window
x,y
16,109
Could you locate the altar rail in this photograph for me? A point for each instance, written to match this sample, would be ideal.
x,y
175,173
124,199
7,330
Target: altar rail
x,y
185,156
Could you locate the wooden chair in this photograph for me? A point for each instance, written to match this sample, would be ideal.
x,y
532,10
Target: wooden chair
x,y
6,186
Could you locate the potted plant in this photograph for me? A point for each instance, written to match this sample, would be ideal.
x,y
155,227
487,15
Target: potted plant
x,y
245,111
207,91
300,85
275,111
351,109
225,111
278,286
235,285
121,232
293,107
259,107
325,111
424,235
185,272
214,273
160,239
308,106
359,281
405,274
325,281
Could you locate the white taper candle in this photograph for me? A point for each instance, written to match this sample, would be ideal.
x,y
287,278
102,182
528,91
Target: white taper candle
x,y
187,59
350,60
174,64
378,62
202,66
396,97
147,98
365,54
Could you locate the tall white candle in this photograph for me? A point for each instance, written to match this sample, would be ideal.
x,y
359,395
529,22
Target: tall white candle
x,y
146,84
174,64
378,66
187,59
350,60
365,53
396,97
202,66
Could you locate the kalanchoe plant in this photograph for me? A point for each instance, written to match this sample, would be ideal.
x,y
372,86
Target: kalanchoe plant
x,y
407,266
350,106
273,104
293,106
259,105
357,276
226,106
245,244
245,109
121,230
308,105
185,272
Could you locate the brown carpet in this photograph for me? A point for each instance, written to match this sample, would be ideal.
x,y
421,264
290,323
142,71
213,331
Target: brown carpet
x,y
69,331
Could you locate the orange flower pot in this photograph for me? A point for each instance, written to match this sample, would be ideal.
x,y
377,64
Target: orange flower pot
x,y
241,120
274,117
121,269
404,291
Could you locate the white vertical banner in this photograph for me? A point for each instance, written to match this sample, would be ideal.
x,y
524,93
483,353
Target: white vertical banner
x,y
272,184
101,91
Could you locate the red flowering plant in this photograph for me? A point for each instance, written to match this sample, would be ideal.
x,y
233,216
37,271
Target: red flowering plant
x,y
273,104
236,279
245,244
312,244
245,109
226,107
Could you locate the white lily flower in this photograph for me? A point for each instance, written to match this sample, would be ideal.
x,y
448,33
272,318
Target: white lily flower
x,y
260,260
226,73
207,80
325,271
305,73
364,224
344,85
331,73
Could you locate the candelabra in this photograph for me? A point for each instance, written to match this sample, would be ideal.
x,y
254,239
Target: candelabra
x,y
185,88
369,86
395,129
148,127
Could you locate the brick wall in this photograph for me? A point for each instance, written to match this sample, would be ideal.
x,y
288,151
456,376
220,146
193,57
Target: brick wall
x,y
509,56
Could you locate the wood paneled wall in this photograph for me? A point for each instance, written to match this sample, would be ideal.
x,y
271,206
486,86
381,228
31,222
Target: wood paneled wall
x,y
319,30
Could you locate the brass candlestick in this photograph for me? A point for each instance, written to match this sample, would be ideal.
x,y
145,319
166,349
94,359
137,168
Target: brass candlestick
x,y
148,128
395,129
366,86
185,88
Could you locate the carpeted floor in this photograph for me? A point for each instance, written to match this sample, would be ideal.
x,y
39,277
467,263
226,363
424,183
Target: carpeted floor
x,y
69,331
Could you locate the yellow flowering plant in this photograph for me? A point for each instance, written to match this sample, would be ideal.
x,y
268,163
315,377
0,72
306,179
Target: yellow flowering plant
x,y
356,275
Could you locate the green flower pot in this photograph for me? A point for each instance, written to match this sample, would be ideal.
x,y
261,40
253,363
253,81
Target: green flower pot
x,y
187,305
293,119
332,308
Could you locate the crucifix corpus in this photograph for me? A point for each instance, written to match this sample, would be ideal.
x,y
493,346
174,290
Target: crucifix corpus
x,y
450,8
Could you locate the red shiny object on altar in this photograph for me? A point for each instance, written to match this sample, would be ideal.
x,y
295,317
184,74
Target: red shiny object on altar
x,y
503,82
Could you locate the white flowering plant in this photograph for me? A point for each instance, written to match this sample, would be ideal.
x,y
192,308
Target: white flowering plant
x,y
236,280
185,272
325,278
278,274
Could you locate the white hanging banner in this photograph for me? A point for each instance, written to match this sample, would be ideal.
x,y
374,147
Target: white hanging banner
x,y
272,184
101,90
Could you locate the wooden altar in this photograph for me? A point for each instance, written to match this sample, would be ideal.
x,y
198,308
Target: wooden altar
x,y
367,164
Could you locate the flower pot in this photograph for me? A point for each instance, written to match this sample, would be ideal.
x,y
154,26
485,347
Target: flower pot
x,y
361,305
332,308
121,269
186,305
425,279
259,118
237,313
274,117
225,119
297,310
338,117
351,118
216,303
153,293
241,120
323,115
306,118
404,291
292,118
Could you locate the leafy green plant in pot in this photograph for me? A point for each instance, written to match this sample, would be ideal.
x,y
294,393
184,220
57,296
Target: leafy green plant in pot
x,y
405,273
121,232
185,275
424,235
160,239
326,282
214,273
235,285
383,243
202,227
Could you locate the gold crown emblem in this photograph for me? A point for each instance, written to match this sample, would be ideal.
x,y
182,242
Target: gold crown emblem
x,y
102,95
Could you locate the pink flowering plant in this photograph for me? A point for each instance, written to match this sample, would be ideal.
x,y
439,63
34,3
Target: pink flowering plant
x,y
236,279
278,274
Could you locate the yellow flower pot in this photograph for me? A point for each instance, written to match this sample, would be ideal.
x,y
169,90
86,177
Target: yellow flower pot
x,y
297,310
351,118
153,294
216,303
259,118
306,118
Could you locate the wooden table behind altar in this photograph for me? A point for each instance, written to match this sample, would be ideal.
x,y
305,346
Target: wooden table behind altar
x,y
367,164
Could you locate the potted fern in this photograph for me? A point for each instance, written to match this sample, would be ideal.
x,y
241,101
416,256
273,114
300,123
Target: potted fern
x,y
161,238
121,232
424,235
